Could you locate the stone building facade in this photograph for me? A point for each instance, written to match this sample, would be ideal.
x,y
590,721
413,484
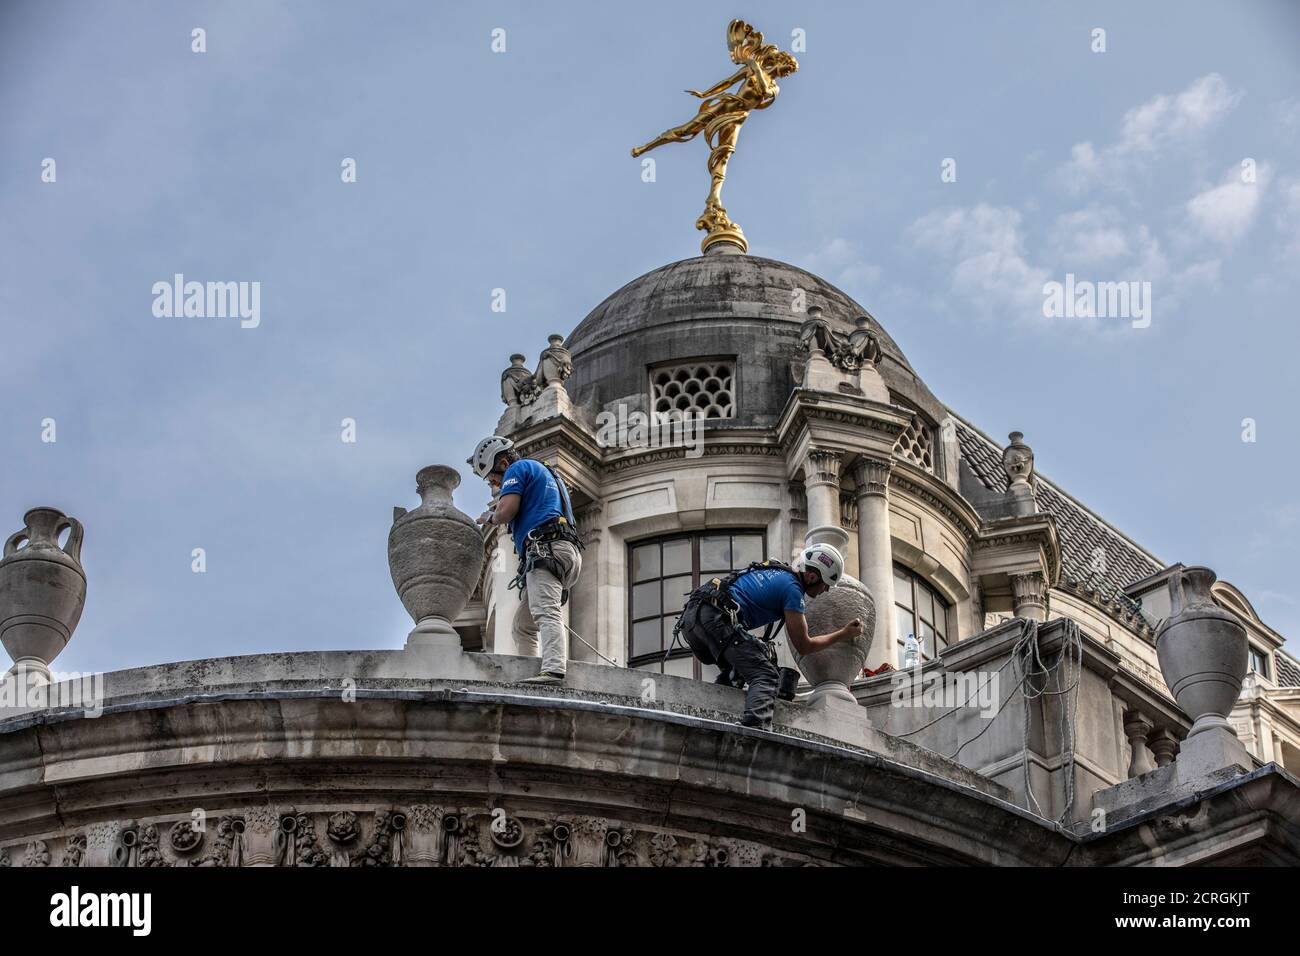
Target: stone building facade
x,y
1037,725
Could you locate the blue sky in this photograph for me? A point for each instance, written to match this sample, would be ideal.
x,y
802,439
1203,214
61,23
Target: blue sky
x,y
481,170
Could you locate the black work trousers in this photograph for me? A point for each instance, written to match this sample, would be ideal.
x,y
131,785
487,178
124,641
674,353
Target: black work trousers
x,y
745,654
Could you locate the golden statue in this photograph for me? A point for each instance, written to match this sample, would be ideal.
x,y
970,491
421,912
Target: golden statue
x,y
721,115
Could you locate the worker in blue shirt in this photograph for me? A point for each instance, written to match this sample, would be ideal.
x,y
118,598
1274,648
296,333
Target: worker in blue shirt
x,y
718,617
534,504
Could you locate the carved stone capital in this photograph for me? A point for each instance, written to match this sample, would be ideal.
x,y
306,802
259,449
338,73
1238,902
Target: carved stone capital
x,y
1029,595
872,476
822,467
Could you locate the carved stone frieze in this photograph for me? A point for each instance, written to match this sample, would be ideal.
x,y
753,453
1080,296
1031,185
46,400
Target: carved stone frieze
x,y
414,835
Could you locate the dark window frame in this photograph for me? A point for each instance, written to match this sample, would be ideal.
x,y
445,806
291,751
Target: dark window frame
x,y
695,537
947,637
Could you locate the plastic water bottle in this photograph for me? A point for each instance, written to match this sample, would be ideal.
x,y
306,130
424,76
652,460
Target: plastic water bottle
x,y
911,652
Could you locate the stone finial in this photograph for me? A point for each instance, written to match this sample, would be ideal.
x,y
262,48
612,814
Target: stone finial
x,y
517,384
555,364
1018,460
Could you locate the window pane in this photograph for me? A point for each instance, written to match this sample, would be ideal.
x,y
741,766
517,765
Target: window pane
x,y
681,666
645,637
645,599
668,623
645,562
675,591
924,606
927,639
653,666
715,553
745,549
903,623
902,588
708,672
677,556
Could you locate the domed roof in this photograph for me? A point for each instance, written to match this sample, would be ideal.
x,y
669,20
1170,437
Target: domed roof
x,y
717,306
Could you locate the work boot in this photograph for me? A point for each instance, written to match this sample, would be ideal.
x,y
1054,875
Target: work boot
x,y
546,677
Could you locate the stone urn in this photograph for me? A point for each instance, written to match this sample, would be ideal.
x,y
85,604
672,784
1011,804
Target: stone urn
x,y
42,591
1203,651
831,670
435,555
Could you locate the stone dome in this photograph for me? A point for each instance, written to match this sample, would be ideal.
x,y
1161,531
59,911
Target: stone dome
x,y
720,306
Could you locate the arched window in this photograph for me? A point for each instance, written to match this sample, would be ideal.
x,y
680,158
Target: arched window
x,y
661,572
919,609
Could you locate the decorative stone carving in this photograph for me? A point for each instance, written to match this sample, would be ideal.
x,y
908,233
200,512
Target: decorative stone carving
x,y
1029,596
1018,460
184,838
423,840
1202,651
223,845
42,591
36,854
435,554
871,476
75,851
822,466
126,845
1018,463
850,353
527,840
379,851
342,829
555,364
150,852
518,386
101,839
663,850
260,840
864,345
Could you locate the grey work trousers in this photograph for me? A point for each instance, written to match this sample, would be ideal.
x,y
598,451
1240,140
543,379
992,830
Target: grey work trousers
x,y
540,618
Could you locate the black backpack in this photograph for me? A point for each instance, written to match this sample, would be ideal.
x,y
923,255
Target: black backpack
x,y
717,592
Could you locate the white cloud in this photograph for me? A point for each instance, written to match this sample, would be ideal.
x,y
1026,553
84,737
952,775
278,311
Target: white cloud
x,y
1225,212
984,247
1149,127
1288,217
1089,236
843,262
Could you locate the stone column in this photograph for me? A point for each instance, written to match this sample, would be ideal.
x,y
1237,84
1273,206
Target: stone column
x,y
822,489
1029,596
876,553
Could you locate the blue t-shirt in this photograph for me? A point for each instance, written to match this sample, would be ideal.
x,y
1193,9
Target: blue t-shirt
x,y
765,596
539,497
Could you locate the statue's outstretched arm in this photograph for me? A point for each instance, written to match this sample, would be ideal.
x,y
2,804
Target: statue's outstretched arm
x,y
726,84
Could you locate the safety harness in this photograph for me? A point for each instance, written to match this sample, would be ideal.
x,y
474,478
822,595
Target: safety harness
x,y
717,593
538,543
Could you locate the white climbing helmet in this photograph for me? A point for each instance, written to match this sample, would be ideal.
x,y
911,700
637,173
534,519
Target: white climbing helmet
x,y
826,560
485,454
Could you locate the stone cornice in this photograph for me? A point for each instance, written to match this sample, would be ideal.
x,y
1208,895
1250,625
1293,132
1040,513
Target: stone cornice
x,y
1028,533
926,487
